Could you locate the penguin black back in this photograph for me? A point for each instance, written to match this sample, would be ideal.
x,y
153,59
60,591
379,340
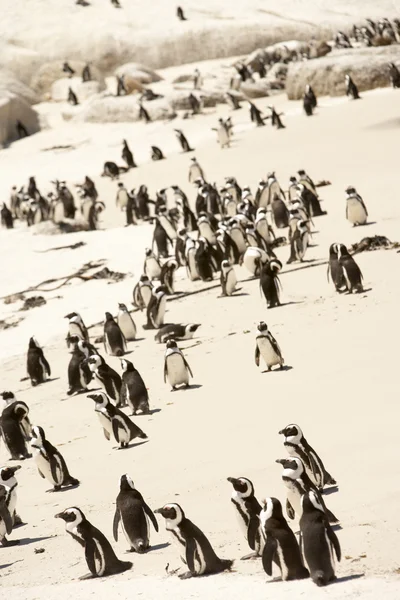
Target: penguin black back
x,y
37,366
351,271
269,282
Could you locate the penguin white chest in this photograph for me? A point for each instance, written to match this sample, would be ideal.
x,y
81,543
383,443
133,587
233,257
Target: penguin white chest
x,y
159,317
206,232
267,351
177,373
104,421
191,263
146,293
355,212
43,464
231,282
281,556
153,269
127,325
294,497
240,513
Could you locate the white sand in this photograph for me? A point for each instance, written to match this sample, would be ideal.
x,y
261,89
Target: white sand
x,y
342,388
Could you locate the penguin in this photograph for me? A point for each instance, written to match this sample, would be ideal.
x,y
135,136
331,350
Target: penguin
x,y
156,308
279,211
50,462
232,100
6,217
195,171
351,271
167,275
68,70
133,389
37,366
176,332
299,242
269,282
198,553
72,97
180,14
203,258
115,422
351,88
297,482
114,339
167,224
280,546
276,118
233,188
180,247
255,115
297,445
247,509
319,541
205,229
335,269
109,379
267,347
127,155
7,399
100,557
236,234
15,429
394,74
142,292
122,197
156,153
309,101
8,483
262,226
356,211
223,136
126,323
152,267
133,513
76,327
253,259
79,374
176,368
228,279
86,74
191,262
195,104
183,141
144,114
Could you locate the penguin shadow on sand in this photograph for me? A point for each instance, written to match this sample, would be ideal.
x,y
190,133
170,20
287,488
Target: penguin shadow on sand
x,y
155,547
349,578
129,446
27,541
281,370
191,386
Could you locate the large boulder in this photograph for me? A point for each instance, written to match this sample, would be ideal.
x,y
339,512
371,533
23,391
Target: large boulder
x,y
125,109
14,108
10,83
139,72
255,89
48,73
367,66
82,89
179,100
20,60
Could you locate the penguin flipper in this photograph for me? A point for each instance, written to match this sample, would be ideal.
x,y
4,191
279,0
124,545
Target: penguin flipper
x,y
252,530
268,554
275,345
57,466
290,510
6,517
106,435
117,517
187,366
334,541
190,551
46,365
257,356
41,474
90,552
151,516
165,370
328,272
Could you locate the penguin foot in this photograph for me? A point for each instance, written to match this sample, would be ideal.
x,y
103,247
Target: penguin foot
x,y
87,576
56,488
251,556
186,575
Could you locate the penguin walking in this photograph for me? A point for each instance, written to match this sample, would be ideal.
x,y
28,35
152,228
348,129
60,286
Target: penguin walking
x,y
228,279
50,462
156,153
176,368
37,366
15,429
133,389
100,557
267,347
319,541
167,275
126,323
276,118
351,271
156,308
79,374
255,115
351,88
297,445
183,141
8,493
223,136
309,101
280,213
114,339
175,331
76,327
269,282
109,379
299,242
356,211
152,267
197,551
280,546
115,422
127,155
134,514
247,509
335,269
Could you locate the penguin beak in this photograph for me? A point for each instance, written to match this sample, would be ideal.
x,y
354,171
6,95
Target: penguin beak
x,y
232,480
59,516
13,469
281,461
158,511
281,432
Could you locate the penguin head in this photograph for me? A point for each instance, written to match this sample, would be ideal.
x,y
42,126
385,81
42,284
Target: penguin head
x,y
172,512
71,515
242,486
350,190
73,317
7,473
33,343
333,250
275,265
126,483
261,211
38,437
192,327
311,502
272,508
342,251
109,317
292,433
271,175
122,307
95,361
301,172
8,397
19,410
101,400
126,365
149,252
225,266
171,344
292,467
262,327
144,279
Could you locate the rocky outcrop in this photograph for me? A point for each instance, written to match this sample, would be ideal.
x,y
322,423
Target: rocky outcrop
x,y
50,72
110,109
82,89
139,72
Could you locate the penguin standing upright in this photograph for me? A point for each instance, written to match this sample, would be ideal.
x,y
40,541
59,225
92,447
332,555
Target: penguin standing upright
x,y
37,366
156,308
255,115
198,553
356,211
299,242
319,541
281,546
6,217
156,153
114,339
247,509
351,271
8,483
223,136
72,97
127,155
176,368
195,171
309,101
267,347
180,247
152,267
183,141
133,389
262,226
100,557
76,326
50,462
269,282
228,279
394,74
191,263
351,88
134,514
279,211
142,292
79,374
126,323
335,269
6,520
297,445
167,275
106,376
15,429
203,259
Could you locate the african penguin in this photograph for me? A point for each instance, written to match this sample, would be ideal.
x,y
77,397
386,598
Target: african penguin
x,y
228,279
114,339
106,376
247,509
142,292
176,368
267,347
167,274
9,482
126,323
176,332
6,521
99,555
76,327
279,212
183,141
335,269
299,242
151,267
37,366
269,282
15,429
50,462
253,259
133,389
351,271
79,373
351,88
133,513
156,308
356,211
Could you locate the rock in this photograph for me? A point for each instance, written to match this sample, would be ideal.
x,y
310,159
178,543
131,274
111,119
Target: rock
x,y
33,302
82,89
179,100
111,109
13,109
22,61
276,75
138,72
10,83
14,298
257,89
183,78
318,49
367,66
50,72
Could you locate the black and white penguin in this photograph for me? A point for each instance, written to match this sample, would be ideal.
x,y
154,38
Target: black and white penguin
x,y
151,267
279,212
176,368
134,514
144,114
255,115
106,376
351,271
167,274
126,323
253,259
297,482
309,101
142,292
280,546
111,170
195,171
15,429
76,327
356,211
133,389
299,242
267,347
203,258
114,339
195,548
223,136
9,482
68,69
180,14
86,74
335,269
156,153
6,217
180,247
176,332
233,100
351,88
115,422
183,141
206,229
72,97
297,445
276,118
100,557
127,155
394,74
191,262
167,223
6,520
228,278
79,373
247,509
269,282
50,462
319,541
37,366
156,308
262,227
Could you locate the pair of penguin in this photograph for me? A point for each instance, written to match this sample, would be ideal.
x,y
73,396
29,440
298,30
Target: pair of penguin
x,y
343,269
